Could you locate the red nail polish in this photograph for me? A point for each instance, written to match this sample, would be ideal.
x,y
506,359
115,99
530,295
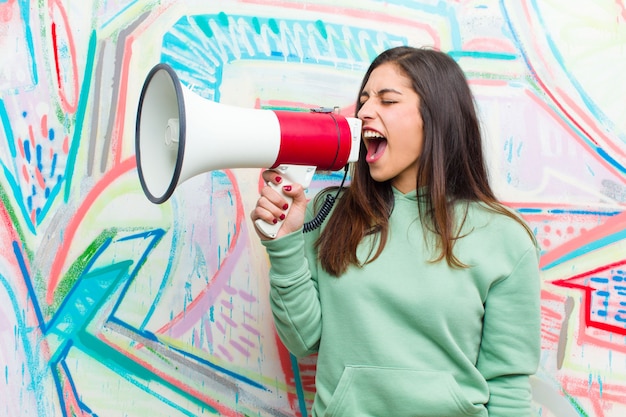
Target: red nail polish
x,y
282,217
278,179
275,221
286,206
287,187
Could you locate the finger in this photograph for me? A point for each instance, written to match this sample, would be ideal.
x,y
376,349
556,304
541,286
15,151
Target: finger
x,y
296,192
270,211
275,196
271,176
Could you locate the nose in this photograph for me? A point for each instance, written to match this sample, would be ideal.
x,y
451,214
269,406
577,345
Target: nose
x,y
366,111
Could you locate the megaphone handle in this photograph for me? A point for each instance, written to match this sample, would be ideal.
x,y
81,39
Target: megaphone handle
x,y
300,174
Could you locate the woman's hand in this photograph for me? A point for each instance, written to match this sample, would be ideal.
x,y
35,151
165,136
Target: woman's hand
x,y
273,208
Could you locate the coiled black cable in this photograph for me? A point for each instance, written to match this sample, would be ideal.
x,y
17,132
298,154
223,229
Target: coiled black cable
x,y
327,206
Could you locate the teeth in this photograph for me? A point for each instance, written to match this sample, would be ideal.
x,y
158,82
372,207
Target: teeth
x,y
370,134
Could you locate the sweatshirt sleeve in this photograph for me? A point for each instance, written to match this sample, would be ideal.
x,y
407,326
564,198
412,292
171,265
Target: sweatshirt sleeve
x,y
294,297
511,342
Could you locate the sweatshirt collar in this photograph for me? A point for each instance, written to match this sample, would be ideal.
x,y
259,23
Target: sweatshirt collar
x,y
399,195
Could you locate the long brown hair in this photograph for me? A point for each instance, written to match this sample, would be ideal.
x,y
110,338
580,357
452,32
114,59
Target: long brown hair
x,y
451,167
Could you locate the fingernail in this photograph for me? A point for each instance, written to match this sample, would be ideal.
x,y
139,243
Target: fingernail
x,y
282,217
287,187
286,206
275,221
278,179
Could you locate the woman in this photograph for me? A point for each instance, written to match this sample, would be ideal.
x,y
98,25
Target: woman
x,y
421,292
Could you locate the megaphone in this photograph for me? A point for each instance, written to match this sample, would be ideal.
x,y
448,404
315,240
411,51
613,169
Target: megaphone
x,y
179,134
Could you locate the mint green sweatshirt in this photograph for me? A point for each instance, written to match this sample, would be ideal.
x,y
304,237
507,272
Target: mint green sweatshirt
x,y
403,336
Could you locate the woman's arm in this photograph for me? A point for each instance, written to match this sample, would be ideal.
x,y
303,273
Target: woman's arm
x,y
511,342
294,296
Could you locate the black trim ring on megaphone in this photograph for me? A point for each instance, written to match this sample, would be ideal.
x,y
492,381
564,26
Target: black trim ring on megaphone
x,y
179,134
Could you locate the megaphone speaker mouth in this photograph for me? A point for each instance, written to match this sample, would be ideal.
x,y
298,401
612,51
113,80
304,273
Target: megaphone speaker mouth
x,y
180,134
160,133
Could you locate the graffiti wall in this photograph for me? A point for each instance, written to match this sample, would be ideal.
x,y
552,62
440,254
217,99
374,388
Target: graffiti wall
x,y
113,306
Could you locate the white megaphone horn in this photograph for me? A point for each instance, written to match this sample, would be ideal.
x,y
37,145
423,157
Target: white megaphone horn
x,y
179,135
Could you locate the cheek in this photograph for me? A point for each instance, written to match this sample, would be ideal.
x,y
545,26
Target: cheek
x,y
412,136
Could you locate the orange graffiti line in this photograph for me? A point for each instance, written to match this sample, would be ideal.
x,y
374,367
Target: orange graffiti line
x,y
31,135
551,296
548,338
557,93
21,147
25,174
70,107
621,5
562,118
601,397
116,145
492,45
7,11
553,97
222,409
549,313
488,82
535,44
9,226
44,126
72,408
233,244
373,15
81,212
40,180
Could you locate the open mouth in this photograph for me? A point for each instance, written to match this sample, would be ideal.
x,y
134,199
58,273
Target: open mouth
x,y
376,145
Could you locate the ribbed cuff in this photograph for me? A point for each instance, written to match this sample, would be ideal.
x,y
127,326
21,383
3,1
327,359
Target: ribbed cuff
x,y
286,254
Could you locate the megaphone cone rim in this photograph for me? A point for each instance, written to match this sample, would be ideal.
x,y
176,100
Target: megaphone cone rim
x,y
181,137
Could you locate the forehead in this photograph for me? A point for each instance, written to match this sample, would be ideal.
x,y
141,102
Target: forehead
x,y
386,77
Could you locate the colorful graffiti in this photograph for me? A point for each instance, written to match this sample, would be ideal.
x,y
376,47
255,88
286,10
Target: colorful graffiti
x,y
113,306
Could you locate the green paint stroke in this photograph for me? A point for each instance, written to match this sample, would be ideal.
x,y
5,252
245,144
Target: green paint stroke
x,y
77,269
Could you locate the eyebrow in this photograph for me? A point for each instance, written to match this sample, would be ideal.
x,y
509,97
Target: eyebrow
x,y
381,92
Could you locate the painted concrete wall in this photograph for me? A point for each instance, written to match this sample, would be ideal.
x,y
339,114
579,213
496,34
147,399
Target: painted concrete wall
x,y
113,306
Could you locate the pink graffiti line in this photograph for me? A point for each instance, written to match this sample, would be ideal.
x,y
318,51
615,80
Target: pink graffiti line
x,y
69,397
116,145
200,304
371,15
201,395
601,395
611,226
72,227
558,95
118,127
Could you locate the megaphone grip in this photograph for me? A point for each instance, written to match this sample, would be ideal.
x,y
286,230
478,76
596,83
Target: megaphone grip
x,y
271,229
300,174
